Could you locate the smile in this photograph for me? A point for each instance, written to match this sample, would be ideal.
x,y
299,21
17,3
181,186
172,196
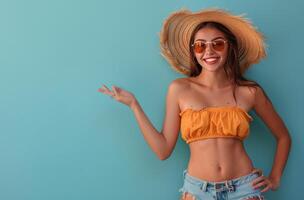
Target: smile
x,y
211,60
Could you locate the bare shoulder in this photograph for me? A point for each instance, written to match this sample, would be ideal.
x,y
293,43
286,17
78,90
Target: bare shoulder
x,y
246,92
257,94
262,101
179,84
249,86
176,89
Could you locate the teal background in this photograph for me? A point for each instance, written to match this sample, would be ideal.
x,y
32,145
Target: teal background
x,y
61,139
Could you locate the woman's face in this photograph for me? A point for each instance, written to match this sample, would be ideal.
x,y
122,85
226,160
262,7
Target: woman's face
x,y
212,58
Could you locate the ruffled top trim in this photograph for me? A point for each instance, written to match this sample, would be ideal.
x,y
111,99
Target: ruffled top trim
x,y
212,122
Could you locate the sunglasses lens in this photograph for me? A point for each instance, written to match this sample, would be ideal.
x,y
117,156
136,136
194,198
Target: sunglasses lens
x,y
199,47
218,45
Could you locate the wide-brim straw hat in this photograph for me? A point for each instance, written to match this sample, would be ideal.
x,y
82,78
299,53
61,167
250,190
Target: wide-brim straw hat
x,y
177,28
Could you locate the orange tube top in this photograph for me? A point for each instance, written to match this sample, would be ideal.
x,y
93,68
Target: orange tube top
x,y
214,122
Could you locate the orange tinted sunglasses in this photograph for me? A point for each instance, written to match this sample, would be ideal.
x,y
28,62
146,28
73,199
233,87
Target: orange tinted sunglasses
x,y
217,45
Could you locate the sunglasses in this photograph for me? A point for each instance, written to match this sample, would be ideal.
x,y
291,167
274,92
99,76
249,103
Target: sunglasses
x,y
217,45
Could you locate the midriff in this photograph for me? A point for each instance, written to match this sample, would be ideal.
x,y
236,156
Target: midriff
x,y
218,159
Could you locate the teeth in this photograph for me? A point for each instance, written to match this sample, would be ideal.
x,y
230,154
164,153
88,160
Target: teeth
x,y
210,59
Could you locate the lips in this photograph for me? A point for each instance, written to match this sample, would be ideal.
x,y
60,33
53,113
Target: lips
x,y
211,60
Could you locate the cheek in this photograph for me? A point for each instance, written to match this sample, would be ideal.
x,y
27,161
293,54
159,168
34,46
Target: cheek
x,y
198,57
224,56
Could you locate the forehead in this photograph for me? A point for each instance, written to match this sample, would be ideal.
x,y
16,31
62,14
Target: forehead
x,y
208,34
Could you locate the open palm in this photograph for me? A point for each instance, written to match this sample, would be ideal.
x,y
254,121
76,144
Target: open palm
x,y
119,94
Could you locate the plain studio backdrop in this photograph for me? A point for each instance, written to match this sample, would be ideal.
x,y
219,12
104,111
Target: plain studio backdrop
x,y
62,140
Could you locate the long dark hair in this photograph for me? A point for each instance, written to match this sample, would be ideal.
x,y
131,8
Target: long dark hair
x,y
232,64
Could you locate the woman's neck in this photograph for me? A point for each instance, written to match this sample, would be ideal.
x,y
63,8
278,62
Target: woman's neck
x,y
214,80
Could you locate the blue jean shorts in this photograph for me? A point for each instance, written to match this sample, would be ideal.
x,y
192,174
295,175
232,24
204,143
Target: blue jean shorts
x,y
234,189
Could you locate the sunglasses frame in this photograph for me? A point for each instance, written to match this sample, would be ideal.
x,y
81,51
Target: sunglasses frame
x,y
209,42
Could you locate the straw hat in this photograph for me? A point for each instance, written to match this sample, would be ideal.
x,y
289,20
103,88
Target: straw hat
x,y
177,28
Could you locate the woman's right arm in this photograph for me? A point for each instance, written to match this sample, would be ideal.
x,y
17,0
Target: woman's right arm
x,y
162,143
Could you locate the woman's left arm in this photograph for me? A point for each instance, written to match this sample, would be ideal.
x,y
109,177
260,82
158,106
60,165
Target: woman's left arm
x,y
266,111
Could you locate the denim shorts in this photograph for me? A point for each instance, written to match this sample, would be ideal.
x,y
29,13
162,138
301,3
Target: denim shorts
x,y
234,189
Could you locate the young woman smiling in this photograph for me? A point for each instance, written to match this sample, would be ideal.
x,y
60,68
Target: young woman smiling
x,y
210,106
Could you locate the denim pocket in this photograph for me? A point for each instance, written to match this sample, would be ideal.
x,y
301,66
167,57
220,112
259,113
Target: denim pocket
x,y
245,190
194,189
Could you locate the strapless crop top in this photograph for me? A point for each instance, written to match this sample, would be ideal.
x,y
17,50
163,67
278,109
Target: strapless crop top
x,y
214,122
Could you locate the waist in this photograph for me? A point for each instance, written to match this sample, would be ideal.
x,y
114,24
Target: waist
x,y
220,185
219,164
215,175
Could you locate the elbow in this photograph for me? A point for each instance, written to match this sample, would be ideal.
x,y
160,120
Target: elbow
x,y
164,152
164,156
287,138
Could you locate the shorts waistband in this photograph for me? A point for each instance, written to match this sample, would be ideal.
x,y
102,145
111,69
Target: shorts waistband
x,y
220,185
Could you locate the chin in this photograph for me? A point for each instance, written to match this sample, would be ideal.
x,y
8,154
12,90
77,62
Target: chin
x,y
212,68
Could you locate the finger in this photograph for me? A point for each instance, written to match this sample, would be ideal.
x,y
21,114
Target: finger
x,y
265,189
260,184
256,180
115,90
106,90
103,88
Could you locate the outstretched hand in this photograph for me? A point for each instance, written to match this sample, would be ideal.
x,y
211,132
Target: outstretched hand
x,y
119,94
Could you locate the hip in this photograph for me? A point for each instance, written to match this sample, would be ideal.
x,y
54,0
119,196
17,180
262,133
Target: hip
x,y
237,188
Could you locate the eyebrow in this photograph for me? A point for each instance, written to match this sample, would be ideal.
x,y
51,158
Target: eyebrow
x,y
211,40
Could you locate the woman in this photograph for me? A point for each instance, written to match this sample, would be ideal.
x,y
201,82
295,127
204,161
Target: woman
x,y
210,106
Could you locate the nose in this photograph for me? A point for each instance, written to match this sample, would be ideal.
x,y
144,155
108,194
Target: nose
x,y
208,48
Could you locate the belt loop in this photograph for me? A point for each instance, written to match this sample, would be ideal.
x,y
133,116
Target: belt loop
x,y
230,182
226,183
204,186
231,186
